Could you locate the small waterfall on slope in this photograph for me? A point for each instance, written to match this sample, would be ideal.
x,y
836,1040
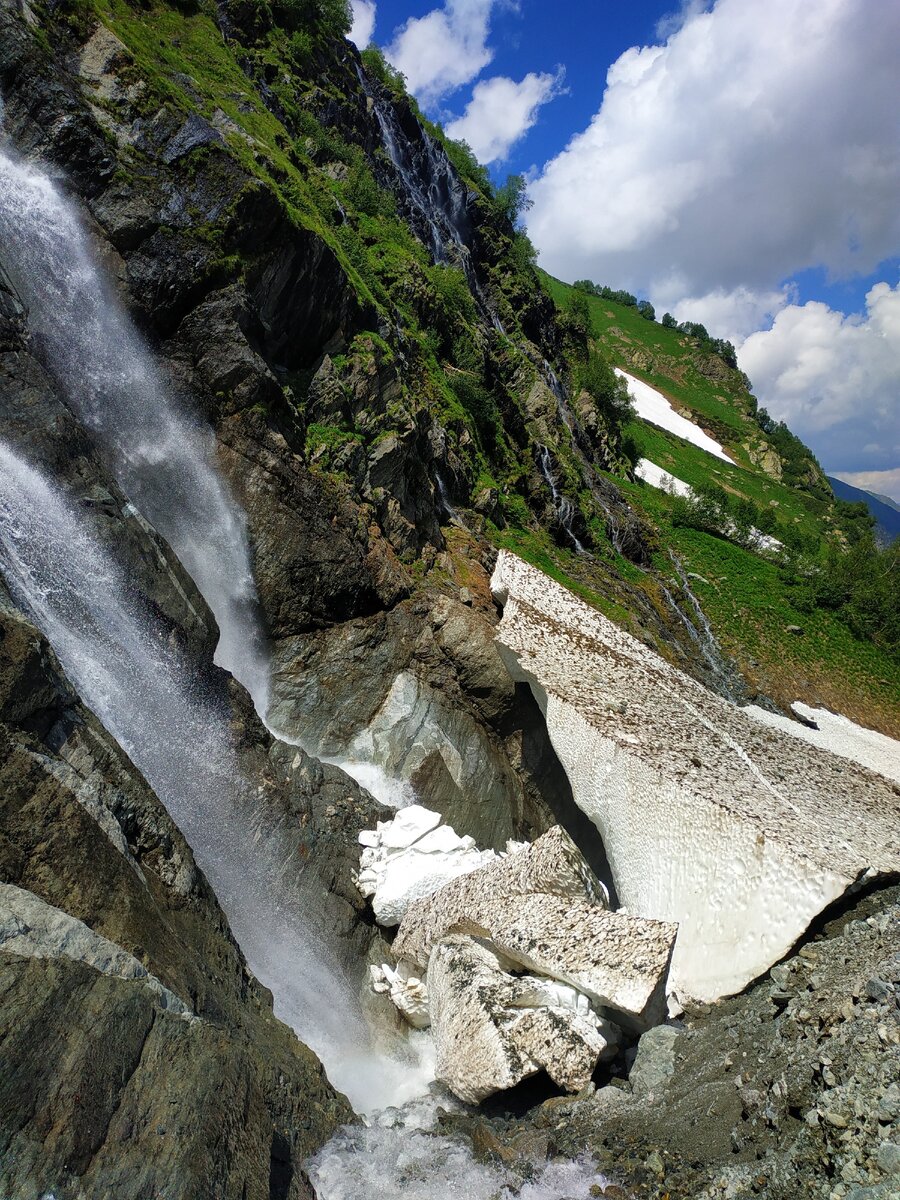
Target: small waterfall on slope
x,y
725,677
162,458
436,195
565,509
571,423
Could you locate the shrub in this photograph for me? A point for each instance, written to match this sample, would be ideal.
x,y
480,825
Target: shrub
x,y
608,391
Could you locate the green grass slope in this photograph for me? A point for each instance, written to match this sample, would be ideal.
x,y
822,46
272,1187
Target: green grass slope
x,y
755,602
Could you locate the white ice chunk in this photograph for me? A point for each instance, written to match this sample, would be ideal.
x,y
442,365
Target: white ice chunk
x,y
408,826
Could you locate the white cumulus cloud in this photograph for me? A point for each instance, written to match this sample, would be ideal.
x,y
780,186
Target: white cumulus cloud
x,y
759,140
501,111
732,315
363,13
834,379
444,49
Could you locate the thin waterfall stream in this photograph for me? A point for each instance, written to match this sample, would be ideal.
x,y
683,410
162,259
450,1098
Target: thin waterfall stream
x,y
726,679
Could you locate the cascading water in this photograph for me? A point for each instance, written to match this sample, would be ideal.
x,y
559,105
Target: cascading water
x,y
565,509
435,193
577,434
120,661
725,678
162,458
118,656
116,653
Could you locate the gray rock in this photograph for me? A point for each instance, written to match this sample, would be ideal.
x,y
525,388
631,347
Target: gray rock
x,y
888,1158
109,943
877,989
655,1061
194,133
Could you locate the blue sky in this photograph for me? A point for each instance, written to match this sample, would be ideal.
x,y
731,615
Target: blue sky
x,y
737,161
541,36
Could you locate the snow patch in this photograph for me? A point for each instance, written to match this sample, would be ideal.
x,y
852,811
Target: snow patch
x,y
658,478
386,788
838,734
652,405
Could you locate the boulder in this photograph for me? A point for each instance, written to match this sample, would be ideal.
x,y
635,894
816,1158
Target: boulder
x,y
740,833
488,1033
543,909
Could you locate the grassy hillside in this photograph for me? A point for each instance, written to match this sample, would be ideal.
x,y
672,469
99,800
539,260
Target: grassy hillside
x,y
755,602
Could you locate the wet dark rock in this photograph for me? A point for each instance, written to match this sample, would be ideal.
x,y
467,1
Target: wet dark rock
x,y
437,658
316,558
194,133
91,1068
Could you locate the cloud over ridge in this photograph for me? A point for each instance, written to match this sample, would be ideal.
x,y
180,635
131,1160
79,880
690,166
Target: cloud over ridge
x,y
502,111
444,49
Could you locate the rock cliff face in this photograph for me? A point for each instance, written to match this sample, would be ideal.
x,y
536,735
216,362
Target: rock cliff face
x,y
141,1055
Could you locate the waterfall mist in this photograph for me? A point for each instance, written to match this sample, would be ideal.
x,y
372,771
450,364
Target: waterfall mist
x,y
159,454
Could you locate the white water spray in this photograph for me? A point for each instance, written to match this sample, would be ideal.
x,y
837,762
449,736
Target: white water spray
x,y
161,457
119,659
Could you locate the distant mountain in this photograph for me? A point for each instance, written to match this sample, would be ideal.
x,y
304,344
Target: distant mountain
x,y
883,508
887,500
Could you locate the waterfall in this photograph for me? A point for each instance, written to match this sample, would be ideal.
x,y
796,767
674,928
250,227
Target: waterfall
x,y
444,502
162,457
119,659
565,509
577,435
116,652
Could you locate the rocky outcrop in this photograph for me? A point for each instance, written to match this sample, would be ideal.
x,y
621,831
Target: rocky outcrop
x,y
140,1055
619,962
740,834
422,691
517,966
788,1091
